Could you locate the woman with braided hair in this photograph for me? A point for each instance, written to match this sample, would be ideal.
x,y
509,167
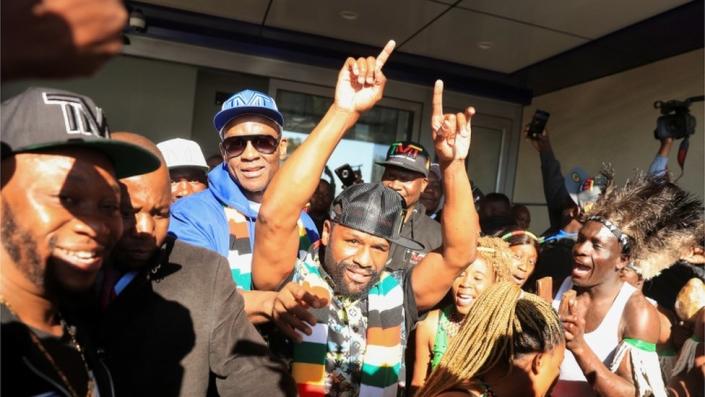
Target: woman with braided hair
x,y
433,333
611,329
510,344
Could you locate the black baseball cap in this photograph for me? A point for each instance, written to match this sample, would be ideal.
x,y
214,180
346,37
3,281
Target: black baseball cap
x,y
408,155
47,118
373,209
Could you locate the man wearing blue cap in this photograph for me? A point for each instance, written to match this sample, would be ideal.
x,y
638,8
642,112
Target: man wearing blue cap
x,y
222,218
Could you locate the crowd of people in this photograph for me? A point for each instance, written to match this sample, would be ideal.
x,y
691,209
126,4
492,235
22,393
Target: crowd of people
x,y
138,268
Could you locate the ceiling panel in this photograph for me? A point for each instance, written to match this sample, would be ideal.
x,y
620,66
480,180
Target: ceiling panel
x,y
455,37
586,18
251,11
377,21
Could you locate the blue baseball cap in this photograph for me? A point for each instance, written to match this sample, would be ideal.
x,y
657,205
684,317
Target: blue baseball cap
x,y
247,102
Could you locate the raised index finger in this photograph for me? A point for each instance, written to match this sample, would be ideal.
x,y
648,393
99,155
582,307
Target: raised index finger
x,y
386,52
438,99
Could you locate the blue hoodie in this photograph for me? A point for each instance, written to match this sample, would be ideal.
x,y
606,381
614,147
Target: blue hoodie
x,y
199,219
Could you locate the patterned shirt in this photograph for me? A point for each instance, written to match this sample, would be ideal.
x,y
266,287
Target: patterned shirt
x,y
347,333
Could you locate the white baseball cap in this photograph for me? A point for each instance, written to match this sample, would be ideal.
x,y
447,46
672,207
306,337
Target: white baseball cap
x,y
180,152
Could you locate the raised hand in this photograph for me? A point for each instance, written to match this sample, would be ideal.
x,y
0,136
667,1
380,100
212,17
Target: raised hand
x,y
540,143
290,310
361,82
451,132
574,327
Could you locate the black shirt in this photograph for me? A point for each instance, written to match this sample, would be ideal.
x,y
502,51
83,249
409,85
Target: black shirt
x,y
421,228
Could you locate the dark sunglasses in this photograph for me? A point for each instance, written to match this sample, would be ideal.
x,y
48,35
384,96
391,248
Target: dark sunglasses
x,y
235,145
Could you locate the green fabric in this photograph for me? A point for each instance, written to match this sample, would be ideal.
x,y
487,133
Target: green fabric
x,y
641,345
667,352
440,342
696,339
310,353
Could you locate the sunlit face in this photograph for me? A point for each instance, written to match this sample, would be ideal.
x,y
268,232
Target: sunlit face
x,y
60,216
253,170
547,373
597,255
408,184
353,259
145,210
186,181
523,263
471,283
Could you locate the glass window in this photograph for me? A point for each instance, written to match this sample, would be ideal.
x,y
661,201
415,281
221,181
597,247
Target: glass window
x,y
366,143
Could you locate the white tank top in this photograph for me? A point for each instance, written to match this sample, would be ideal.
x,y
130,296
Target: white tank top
x,y
602,341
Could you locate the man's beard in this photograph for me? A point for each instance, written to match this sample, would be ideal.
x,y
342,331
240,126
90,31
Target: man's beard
x,y
336,271
22,248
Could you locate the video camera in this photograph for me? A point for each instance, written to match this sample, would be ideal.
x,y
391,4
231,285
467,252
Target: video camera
x,y
676,121
348,176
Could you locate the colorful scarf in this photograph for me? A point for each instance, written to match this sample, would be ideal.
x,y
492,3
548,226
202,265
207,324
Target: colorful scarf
x,y
241,243
382,359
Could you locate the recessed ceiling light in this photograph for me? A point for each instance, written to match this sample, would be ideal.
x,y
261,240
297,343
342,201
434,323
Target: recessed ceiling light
x,y
485,45
348,15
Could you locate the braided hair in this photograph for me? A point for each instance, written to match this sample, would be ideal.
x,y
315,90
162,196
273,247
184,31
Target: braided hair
x,y
502,324
495,252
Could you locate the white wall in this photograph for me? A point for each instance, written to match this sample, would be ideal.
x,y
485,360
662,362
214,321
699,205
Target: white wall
x,y
612,119
148,97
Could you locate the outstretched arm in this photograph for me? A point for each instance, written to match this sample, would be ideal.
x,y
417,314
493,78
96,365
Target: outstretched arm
x,y
554,190
432,278
360,86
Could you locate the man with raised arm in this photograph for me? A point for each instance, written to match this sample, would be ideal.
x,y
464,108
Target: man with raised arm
x,y
354,345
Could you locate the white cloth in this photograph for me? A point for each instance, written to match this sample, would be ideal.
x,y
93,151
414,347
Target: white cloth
x,y
603,341
686,358
646,370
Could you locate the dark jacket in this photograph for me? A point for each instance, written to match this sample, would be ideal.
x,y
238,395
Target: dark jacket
x,y
180,329
554,190
420,227
27,372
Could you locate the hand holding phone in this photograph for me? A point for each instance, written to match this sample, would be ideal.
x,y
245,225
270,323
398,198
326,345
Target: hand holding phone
x,y
538,124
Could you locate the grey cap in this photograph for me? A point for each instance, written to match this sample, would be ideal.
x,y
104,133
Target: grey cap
x,y
47,118
373,209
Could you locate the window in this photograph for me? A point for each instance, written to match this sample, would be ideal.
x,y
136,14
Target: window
x,y
368,140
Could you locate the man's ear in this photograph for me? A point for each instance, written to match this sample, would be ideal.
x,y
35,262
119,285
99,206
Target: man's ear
x,y
536,362
325,233
222,153
283,145
622,262
424,184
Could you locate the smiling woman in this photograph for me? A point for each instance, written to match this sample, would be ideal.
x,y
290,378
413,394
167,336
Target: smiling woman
x,y
510,344
435,332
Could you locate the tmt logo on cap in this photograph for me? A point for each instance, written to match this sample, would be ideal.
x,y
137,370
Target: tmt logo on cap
x,y
408,155
406,150
78,116
249,98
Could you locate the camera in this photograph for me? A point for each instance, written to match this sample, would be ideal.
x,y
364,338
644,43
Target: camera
x,y
675,121
348,176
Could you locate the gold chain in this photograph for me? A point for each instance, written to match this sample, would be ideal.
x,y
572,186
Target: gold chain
x,y
37,342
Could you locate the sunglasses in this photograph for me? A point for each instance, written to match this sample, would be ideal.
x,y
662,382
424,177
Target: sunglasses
x,y
235,145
